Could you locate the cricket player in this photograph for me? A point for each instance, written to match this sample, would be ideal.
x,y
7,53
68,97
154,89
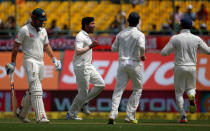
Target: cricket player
x,y
84,70
34,40
130,43
185,46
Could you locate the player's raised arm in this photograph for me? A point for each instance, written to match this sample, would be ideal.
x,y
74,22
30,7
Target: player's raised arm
x,y
204,47
168,49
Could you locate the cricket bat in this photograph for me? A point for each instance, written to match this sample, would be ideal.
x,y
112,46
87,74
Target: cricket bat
x,y
14,99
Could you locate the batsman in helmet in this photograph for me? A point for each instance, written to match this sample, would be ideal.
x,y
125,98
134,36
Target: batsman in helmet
x,y
34,41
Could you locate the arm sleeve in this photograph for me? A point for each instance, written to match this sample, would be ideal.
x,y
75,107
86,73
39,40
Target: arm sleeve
x,y
78,43
203,47
168,49
115,45
20,36
141,44
46,40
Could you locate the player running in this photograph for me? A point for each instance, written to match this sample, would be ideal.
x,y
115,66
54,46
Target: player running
x,y
85,72
185,46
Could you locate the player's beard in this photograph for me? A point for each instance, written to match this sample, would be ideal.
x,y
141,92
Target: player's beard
x,y
90,30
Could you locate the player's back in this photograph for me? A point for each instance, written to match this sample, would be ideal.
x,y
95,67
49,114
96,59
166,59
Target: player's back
x,y
129,47
186,45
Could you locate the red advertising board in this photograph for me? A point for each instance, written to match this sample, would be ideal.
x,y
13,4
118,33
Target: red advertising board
x,y
150,101
157,73
50,81
6,100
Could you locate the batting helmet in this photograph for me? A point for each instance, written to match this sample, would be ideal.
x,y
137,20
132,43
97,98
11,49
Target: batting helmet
x,y
39,14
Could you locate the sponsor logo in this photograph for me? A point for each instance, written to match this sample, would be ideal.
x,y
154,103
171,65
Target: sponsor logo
x,y
157,71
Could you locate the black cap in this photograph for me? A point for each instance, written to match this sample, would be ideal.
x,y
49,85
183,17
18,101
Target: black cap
x,y
186,23
39,14
133,18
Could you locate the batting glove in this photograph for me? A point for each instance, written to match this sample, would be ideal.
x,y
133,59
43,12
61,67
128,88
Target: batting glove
x,y
10,68
57,64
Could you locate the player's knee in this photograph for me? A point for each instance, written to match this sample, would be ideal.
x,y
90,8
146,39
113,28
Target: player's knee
x,y
101,84
137,90
81,98
27,93
36,88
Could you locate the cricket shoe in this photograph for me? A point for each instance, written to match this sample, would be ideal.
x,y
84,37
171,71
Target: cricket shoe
x,y
111,121
43,120
192,104
22,119
70,117
85,110
127,120
183,119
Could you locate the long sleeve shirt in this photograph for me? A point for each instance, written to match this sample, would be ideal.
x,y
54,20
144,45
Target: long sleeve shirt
x,y
130,43
185,46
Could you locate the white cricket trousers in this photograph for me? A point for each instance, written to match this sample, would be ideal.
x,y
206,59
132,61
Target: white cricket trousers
x,y
84,76
125,73
184,81
34,72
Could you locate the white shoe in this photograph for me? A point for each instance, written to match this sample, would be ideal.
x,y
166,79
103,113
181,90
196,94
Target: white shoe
x,y
43,120
22,119
70,117
85,109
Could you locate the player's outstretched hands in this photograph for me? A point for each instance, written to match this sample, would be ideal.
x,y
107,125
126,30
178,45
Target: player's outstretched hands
x,y
94,44
10,68
143,58
57,64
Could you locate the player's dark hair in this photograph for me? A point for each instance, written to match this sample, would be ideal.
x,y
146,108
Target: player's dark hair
x,y
86,21
133,19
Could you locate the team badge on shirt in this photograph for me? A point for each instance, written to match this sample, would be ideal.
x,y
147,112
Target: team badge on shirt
x,y
31,35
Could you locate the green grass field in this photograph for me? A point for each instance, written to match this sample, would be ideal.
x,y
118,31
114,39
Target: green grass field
x,y
13,124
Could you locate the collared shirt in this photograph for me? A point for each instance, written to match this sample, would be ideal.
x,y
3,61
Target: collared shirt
x,y
185,46
130,43
32,41
82,40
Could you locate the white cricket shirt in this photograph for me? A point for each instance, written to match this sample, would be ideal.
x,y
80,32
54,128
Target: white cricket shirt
x,y
32,41
82,40
130,43
185,46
